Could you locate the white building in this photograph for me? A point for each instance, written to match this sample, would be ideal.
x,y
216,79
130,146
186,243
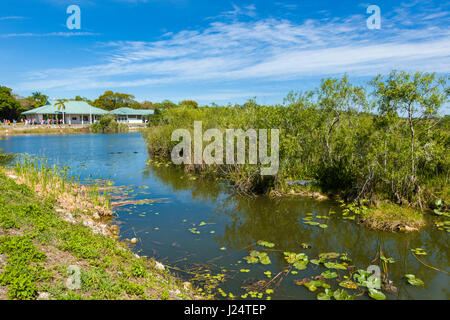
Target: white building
x,y
73,112
129,115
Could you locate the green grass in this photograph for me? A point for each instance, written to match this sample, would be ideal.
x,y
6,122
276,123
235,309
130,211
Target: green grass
x,y
391,217
38,246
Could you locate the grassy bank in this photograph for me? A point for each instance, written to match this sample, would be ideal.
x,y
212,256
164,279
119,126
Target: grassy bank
x,y
51,130
387,144
56,242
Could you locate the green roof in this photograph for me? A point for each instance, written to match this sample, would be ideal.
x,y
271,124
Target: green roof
x,y
71,107
131,111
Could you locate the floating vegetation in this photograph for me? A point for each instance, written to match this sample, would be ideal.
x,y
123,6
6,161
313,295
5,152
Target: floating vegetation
x,y
256,256
387,260
329,255
265,244
348,284
298,260
413,280
194,230
366,279
121,203
329,274
305,245
376,294
419,251
312,285
332,265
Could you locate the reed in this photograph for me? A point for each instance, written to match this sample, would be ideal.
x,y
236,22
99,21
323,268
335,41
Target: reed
x,y
56,183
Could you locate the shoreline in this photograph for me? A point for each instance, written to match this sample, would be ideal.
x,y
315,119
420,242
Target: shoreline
x,y
80,234
20,129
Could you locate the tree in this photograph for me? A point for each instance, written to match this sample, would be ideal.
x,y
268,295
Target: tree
x,y
337,97
39,99
113,100
10,108
415,97
148,105
61,106
188,104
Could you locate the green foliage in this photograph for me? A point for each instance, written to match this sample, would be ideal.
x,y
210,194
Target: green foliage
x,y
138,270
413,280
6,158
23,268
387,143
112,100
108,124
10,108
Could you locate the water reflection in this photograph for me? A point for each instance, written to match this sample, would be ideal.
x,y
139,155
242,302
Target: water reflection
x,y
279,220
233,222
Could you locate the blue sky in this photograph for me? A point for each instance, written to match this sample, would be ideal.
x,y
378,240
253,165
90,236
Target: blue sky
x,y
221,51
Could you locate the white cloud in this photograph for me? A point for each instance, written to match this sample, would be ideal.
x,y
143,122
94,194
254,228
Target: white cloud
x,y
263,49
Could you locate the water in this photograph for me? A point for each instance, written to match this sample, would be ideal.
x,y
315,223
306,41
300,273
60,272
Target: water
x,y
233,224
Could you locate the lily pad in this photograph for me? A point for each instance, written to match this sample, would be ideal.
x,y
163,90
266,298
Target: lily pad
x,y
329,274
419,251
341,294
376,294
329,255
413,280
266,244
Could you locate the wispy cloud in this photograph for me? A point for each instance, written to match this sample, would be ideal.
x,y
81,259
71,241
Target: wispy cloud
x,y
12,18
264,50
50,34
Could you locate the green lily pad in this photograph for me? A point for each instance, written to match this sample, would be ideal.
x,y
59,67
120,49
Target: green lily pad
x,y
266,244
419,251
341,294
413,280
348,284
329,274
376,294
329,255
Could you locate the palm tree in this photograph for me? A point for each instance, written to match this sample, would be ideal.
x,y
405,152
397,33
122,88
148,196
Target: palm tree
x,y
61,106
39,98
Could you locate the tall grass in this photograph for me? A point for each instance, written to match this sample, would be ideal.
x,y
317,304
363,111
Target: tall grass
x,y
56,183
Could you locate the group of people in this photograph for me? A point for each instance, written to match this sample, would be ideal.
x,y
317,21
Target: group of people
x,y
26,122
8,123
42,121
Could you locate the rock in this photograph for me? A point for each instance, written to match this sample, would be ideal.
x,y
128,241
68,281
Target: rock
x,y
187,285
96,215
43,296
136,256
12,176
159,266
133,241
410,229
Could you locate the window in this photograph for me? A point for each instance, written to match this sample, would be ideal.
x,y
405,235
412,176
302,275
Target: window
x,y
74,118
85,118
139,117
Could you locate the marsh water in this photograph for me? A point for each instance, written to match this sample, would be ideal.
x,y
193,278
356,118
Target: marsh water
x,y
202,227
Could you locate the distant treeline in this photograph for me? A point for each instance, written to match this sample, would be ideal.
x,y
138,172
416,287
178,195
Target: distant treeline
x,y
12,105
384,141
